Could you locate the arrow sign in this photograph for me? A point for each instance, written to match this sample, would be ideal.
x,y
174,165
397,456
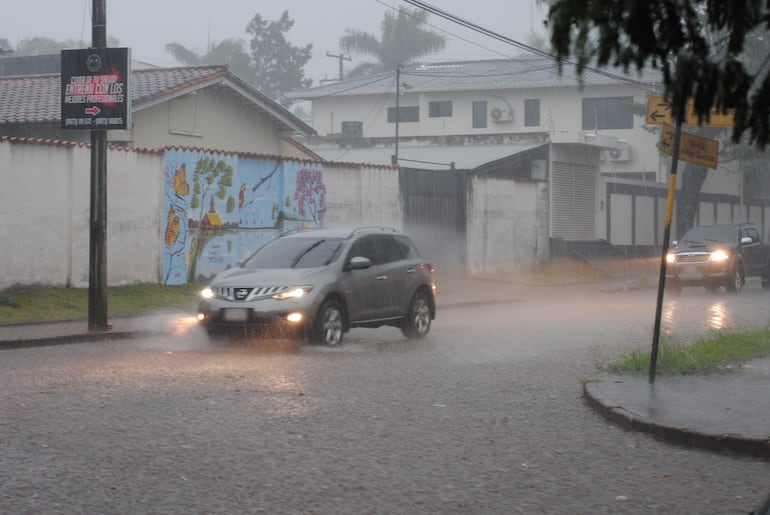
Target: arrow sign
x,y
693,149
658,111
93,111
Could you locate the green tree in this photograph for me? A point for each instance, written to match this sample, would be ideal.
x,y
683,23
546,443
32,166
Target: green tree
x,y
47,46
231,52
269,63
279,65
403,40
682,39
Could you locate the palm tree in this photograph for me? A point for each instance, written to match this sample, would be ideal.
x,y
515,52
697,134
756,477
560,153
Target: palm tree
x,y
231,52
403,39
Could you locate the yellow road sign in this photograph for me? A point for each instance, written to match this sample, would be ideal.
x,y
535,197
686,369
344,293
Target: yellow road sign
x,y
659,113
716,119
693,149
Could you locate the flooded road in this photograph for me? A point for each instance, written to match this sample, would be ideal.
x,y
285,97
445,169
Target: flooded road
x,y
483,416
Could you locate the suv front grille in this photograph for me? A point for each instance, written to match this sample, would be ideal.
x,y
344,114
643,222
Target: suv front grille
x,y
246,293
699,257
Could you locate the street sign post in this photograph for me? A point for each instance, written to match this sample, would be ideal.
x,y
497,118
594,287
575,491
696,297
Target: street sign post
x,y
693,149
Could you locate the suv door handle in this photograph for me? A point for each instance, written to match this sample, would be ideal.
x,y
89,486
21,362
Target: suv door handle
x,y
411,270
381,277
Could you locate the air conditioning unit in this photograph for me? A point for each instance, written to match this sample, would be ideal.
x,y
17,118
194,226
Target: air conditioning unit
x,y
501,114
622,153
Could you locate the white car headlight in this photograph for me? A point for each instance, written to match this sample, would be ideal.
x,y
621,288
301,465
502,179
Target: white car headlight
x,y
293,293
207,293
719,255
670,257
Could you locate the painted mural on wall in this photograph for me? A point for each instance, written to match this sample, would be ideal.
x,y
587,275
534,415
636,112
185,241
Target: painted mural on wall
x,y
220,208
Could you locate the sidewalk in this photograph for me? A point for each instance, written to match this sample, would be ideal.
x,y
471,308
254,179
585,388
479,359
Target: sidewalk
x,y
725,413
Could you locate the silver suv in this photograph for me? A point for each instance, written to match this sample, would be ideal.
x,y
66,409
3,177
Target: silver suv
x,y
319,283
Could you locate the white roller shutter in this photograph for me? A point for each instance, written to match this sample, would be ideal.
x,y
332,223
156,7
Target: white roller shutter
x,y
573,201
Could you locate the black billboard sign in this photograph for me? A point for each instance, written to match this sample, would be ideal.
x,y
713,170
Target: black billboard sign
x,y
95,89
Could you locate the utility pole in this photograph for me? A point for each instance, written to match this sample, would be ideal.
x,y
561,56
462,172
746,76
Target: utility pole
x,y
394,157
97,271
341,57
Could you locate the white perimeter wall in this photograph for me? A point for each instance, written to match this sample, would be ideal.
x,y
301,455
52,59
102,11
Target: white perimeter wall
x,y
507,224
45,206
44,215
359,195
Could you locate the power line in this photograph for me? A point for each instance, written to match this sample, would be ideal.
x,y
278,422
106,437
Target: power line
x,y
523,46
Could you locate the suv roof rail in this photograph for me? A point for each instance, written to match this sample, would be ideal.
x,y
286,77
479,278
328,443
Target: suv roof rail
x,y
296,229
373,228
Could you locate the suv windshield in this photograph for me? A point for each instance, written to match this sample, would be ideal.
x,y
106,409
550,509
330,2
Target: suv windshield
x,y
295,253
715,233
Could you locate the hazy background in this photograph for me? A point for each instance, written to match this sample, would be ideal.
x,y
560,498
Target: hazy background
x,y
147,25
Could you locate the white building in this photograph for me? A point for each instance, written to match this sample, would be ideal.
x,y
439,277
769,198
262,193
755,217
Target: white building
x,y
524,99
606,179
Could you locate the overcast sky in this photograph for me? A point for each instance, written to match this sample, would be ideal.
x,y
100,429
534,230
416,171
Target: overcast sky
x,y
147,25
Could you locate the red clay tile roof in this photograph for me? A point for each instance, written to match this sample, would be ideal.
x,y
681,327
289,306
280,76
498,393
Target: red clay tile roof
x,y
37,98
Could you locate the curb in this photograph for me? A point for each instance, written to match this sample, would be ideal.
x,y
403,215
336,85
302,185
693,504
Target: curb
x,y
24,343
724,443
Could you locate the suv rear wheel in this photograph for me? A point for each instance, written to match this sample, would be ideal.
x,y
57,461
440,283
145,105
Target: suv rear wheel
x,y
328,328
417,323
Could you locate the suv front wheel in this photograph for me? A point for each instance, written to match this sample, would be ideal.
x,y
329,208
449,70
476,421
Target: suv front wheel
x,y
735,280
417,323
328,328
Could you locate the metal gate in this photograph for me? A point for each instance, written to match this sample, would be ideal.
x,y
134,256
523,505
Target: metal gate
x,y
435,215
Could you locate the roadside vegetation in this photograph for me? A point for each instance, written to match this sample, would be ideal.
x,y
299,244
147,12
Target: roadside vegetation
x,y
38,304
721,353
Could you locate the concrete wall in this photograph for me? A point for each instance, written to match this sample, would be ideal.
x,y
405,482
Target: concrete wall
x,y
361,195
44,215
45,206
507,224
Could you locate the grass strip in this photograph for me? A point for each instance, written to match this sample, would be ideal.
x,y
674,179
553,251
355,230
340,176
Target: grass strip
x,y
25,305
717,354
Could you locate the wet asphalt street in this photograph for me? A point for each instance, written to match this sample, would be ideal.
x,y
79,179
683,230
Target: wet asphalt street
x,y
484,416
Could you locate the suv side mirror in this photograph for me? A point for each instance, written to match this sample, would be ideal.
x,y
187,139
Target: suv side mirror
x,y
359,263
746,239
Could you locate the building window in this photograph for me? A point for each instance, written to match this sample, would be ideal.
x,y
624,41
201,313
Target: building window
x,y
353,129
440,109
480,114
407,114
608,113
532,112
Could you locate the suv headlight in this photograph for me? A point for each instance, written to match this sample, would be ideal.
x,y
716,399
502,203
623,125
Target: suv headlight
x,y
207,293
295,292
719,255
670,257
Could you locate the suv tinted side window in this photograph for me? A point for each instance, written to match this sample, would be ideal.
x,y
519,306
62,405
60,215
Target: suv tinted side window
x,y
407,249
366,247
391,251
